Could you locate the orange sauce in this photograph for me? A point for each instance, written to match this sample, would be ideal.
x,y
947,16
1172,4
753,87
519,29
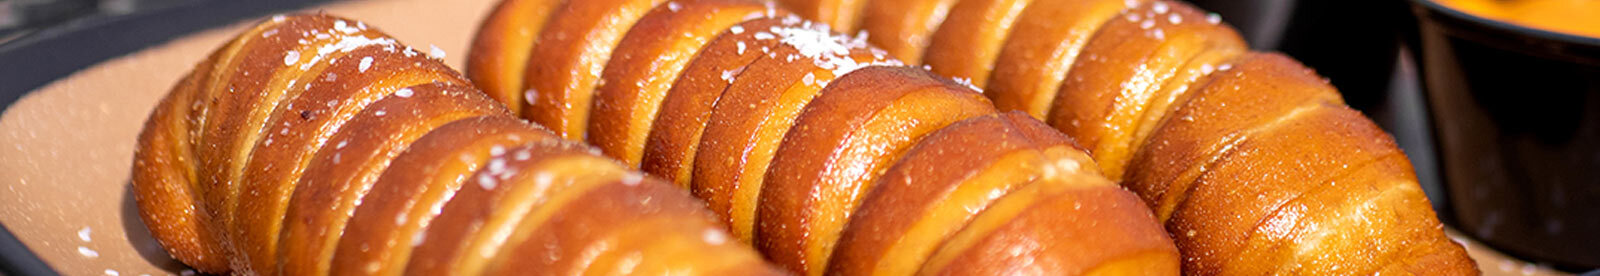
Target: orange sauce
x,y
1578,17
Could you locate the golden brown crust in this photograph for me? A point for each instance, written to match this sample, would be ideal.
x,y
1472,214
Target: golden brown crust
x,y
1084,231
843,140
903,27
1050,38
645,65
339,176
565,64
1257,91
501,47
966,45
310,112
163,173
674,139
938,186
495,201
307,120
753,116
423,178
609,221
1137,69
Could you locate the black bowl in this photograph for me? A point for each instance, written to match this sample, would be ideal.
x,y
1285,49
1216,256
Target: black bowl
x,y
1516,116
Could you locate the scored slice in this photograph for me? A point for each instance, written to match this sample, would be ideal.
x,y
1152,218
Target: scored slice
x,y
281,63
1044,43
967,43
1254,92
164,180
500,49
647,63
903,27
753,115
669,152
342,171
509,195
627,225
404,201
942,183
1095,228
565,64
1147,59
853,131
1296,193
308,120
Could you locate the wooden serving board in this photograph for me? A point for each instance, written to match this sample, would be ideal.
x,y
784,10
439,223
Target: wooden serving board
x,y
66,148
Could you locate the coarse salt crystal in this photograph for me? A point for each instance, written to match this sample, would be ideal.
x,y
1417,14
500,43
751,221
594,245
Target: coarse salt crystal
x,y
291,57
435,51
487,182
366,62
1213,18
727,75
674,6
497,165
740,45
632,179
1174,18
416,238
88,253
736,29
1159,7
83,234
403,92
714,236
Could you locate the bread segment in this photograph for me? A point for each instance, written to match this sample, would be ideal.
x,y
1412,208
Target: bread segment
x,y
500,50
164,162
343,170
646,64
760,107
1135,68
568,58
674,139
939,185
405,200
903,27
1044,43
969,40
498,203
308,120
844,139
